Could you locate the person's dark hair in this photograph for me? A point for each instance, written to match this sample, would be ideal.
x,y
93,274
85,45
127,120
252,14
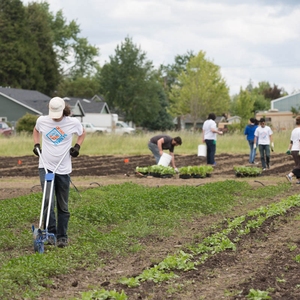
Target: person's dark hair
x,y
67,110
252,120
211,116
256,122
298,120
262,120
178,140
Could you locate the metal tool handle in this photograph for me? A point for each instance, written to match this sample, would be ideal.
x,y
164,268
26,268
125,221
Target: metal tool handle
x,y
48,178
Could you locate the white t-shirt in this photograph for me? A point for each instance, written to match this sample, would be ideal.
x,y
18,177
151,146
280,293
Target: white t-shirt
x,y
207,126
295,137
56,141
263,134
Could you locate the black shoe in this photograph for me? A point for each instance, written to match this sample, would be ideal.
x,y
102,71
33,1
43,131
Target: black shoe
x,y
62,242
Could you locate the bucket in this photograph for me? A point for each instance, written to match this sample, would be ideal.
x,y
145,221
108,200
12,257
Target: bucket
x,y
202,150
165,160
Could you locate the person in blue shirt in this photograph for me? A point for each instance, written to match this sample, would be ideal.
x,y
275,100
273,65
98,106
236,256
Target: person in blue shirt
x,y
249,132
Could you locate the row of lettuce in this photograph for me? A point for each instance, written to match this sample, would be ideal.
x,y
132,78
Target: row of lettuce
x,y
194,171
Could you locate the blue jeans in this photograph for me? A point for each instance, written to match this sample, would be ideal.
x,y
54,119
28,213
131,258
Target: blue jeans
x,y
264,151
61,195
252,152
154,149
211,151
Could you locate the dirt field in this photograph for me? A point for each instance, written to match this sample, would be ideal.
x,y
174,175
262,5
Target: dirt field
x,y
263,259
18,175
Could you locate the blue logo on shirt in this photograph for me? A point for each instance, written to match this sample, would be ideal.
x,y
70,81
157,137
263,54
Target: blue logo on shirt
x,y
56,135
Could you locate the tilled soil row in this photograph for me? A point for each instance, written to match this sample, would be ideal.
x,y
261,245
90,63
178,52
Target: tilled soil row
x,y
112,165
256,264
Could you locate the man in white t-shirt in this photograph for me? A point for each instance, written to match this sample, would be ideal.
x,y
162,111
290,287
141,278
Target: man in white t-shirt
x,y
56,131
210,131
263,134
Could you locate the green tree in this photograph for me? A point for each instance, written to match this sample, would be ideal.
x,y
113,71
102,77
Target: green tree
x,y
163,120
169,79
16,55
129,83
263,94
82,87
37,47
244,107
200,90
78,57
170,72
46,66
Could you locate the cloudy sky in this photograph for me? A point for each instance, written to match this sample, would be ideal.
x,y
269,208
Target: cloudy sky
x,y
257,40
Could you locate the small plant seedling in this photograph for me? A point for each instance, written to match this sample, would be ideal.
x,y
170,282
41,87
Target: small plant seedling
x,y
258,295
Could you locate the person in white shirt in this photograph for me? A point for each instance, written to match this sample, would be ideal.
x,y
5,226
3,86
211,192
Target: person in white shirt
x,y
209,136
293,149
263,134
56,131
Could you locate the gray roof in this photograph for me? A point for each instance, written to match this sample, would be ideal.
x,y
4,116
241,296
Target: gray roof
x,y
24,95
39,102
32,99
94,105
286,103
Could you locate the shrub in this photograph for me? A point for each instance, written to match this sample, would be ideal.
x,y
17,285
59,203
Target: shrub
x,y
26,123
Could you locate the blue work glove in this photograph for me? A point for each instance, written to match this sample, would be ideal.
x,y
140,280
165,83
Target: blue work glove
x,y
35,149
74,151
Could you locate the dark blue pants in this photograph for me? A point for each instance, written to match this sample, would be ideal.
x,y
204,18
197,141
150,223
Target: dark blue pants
x,y
211,151
264,151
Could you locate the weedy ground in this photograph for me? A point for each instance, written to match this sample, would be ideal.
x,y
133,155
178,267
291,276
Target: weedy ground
x,y
120,231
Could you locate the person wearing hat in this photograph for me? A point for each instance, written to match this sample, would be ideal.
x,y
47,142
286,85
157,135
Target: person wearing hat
x,y
263,135
159,143
249,132
56,133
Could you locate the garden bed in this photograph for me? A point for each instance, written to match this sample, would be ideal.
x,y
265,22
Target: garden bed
x,y
201,171
244,171
155,171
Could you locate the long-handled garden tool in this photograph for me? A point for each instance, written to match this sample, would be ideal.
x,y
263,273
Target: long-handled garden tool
x,y
40,236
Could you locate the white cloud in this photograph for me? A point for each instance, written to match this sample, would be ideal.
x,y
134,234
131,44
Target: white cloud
x,y
257,40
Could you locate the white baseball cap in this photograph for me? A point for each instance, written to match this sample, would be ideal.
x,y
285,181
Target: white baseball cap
x,y
56,107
